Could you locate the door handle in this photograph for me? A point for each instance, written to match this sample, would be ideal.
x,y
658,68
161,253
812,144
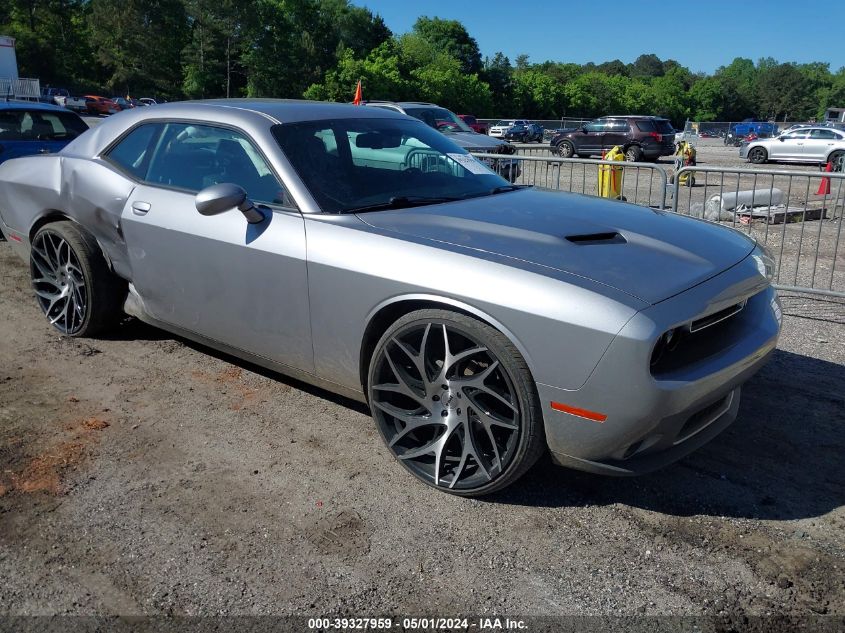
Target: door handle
x,y
140,208
44,151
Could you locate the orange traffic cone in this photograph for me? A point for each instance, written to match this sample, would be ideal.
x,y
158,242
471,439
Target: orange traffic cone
x,y
824,185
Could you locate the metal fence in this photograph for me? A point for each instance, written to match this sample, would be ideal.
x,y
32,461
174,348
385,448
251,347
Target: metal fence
x,y
639,183
20,88
797,215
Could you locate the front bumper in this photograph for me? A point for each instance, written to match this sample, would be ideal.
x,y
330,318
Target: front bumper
x,y
743,150
654,420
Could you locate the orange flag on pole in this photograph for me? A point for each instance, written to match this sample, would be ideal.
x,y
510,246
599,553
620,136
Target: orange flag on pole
x,y
358,97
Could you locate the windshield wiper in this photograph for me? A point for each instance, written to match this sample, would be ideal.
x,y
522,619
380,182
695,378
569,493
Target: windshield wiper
x,y
495,190
505,188
401,202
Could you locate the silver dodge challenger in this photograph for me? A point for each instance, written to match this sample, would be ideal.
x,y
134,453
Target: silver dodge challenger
x,y
360,250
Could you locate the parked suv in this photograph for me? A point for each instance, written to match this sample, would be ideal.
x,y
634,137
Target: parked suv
x,y
641,138
459,132
498,129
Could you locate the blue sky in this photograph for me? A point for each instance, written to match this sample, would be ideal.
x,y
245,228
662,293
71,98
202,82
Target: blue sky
x,y
701,35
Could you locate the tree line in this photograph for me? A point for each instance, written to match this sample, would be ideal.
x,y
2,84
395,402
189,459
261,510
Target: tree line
x,y
319,49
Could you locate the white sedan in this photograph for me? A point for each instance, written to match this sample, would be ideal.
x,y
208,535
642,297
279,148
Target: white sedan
x,y
803,145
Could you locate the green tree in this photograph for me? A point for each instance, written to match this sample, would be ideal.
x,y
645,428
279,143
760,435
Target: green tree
x,y
452,38
498,73
380,74
537,95
139,46
646,66
52,42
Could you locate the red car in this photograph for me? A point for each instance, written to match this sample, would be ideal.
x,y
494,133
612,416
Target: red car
x,y
100,105
471,121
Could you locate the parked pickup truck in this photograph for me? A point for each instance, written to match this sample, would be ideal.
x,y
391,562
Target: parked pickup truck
x,y
474,123
77,104
738,131
51,95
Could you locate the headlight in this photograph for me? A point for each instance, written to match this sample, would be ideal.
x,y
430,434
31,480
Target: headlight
x,y
764,261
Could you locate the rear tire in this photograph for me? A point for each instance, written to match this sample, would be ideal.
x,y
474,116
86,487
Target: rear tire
x,y
836,158
633,154
758,155
73,284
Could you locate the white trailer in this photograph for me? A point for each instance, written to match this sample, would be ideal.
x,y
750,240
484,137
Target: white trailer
x,y
10,83
8,60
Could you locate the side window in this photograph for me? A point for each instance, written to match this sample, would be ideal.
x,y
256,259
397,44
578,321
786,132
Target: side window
x,y
822,134
193,157
132,154
595,126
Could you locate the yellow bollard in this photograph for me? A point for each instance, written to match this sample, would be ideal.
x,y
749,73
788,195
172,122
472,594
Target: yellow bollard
x,y
610,176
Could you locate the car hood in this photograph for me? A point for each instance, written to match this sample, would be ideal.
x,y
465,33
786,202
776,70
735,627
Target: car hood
x,y
651,255
473,140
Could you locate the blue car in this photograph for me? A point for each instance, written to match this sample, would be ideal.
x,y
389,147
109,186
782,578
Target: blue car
x,y
28,127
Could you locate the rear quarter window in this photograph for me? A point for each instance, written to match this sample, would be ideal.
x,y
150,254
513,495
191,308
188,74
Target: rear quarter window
x,y
131,154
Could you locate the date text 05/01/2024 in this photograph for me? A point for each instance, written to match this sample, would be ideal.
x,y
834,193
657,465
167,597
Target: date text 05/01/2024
x,y
416,624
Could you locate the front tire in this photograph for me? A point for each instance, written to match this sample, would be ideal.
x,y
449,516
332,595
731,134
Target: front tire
x,y
455,403
565,149
73,285
758,155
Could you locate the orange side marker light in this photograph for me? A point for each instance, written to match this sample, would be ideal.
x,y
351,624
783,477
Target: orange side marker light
x,y
581,413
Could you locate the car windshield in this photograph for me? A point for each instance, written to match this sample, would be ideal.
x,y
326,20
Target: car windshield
x,y
354,165
439,118
504,123
39,125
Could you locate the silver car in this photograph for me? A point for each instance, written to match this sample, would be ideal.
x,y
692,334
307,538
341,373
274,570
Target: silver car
x,y
360,250
800,145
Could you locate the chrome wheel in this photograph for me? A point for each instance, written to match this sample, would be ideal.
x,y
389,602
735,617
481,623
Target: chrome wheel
x,y
58,282
445,405
565,149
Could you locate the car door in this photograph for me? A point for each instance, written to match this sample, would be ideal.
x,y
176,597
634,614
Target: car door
x,y
788,146
591,138
616,134
819,144
241,284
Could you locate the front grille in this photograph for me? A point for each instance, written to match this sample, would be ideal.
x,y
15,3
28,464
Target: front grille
x,y
697,340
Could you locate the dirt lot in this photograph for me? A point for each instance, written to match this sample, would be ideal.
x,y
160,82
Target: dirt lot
x,y
145,475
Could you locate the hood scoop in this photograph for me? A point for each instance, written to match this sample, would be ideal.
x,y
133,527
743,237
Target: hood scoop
x,y
597,238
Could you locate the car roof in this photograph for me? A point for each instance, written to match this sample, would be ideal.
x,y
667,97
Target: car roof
x,y
246,114
633,116
31,105
286,110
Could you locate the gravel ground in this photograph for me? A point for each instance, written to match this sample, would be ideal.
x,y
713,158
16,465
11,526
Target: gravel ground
x,y
142,474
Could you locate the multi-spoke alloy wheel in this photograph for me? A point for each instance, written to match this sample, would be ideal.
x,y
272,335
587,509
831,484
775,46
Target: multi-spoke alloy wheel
x,y
74,287
58,282
448,405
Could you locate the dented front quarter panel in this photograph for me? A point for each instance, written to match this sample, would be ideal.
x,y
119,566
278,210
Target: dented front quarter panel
x,y
86,191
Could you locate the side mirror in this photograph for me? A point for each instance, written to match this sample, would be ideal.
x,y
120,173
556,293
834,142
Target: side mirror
x,y
218,199
781,139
